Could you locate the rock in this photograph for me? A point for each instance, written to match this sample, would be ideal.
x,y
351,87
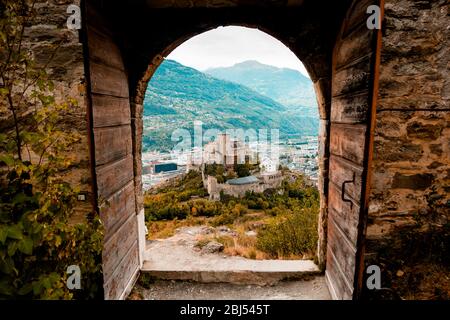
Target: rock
x,y
413,182
207,230
212,247
225,231
251,233
400,273
424,131
257,225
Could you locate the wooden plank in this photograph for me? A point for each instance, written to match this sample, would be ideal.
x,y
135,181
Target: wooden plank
x,y
112,143
345,215
116,247
114,176
348,141
110,111
350,108
342,170
103,50
357,17
355,46
343,251
117,210
352,79
115,286
108,81
95,20
341,287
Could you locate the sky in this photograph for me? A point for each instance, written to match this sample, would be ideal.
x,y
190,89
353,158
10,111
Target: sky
x,y
226,46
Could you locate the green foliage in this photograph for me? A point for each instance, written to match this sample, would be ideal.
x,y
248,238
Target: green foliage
x,y
229,214
175,201
177,95
296,234
242,170
38,243
282,85
294,207
38,240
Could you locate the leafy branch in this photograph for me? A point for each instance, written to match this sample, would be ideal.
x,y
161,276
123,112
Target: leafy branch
x,y
38,241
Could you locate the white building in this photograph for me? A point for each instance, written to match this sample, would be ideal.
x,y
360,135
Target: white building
x,y
225,150
269,166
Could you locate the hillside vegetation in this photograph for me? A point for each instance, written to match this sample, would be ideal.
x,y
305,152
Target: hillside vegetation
x,y
178,95
283,221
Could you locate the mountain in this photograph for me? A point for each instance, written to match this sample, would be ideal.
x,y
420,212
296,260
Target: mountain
x,y
178,95
286,86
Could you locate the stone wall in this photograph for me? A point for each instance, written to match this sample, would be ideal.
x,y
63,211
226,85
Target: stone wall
x,y
411,164
61,51
266,182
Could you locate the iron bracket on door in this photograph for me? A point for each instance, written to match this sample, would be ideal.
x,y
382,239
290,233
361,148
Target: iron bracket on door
x,y
343,191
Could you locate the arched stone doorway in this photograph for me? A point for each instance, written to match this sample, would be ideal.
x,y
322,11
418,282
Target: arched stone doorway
x,y
124,44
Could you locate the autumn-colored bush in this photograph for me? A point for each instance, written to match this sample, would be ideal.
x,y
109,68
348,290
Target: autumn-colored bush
x,y
294,234
38,239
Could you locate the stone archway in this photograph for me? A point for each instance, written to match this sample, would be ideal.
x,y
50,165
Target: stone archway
x,y
125,45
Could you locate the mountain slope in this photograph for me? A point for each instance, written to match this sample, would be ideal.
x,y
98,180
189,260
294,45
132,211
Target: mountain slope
x,y
178,95
286,86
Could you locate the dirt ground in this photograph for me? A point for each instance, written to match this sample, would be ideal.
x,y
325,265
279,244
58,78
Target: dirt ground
x,y
311,289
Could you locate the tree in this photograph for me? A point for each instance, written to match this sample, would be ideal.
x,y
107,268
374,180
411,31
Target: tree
x,y
37,240
242,170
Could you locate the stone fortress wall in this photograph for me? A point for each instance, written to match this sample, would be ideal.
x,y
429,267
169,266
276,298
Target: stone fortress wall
x,y
60,49
411,158
265,182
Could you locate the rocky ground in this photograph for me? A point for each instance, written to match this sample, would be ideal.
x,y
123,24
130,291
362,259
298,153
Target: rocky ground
x,y
192,265
312,289
194,254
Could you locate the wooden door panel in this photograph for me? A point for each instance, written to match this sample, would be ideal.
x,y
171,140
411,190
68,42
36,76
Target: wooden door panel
x,y
112,156
354,86
348,141
351,109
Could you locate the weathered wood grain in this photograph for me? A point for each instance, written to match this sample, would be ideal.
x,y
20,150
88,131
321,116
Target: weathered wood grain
x,y
342,288
116,247
112,138
348,141
114,176
342,170
108,81
350,108
355,46
353,78
117,209
345,215
103,50
112,143
351,104
343,251
110,111
357,16
116,284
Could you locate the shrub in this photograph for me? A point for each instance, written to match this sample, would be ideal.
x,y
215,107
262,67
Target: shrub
x,y
38,243
295,234
38,238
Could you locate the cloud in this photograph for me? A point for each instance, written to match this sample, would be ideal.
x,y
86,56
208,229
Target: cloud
x,y
226,46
